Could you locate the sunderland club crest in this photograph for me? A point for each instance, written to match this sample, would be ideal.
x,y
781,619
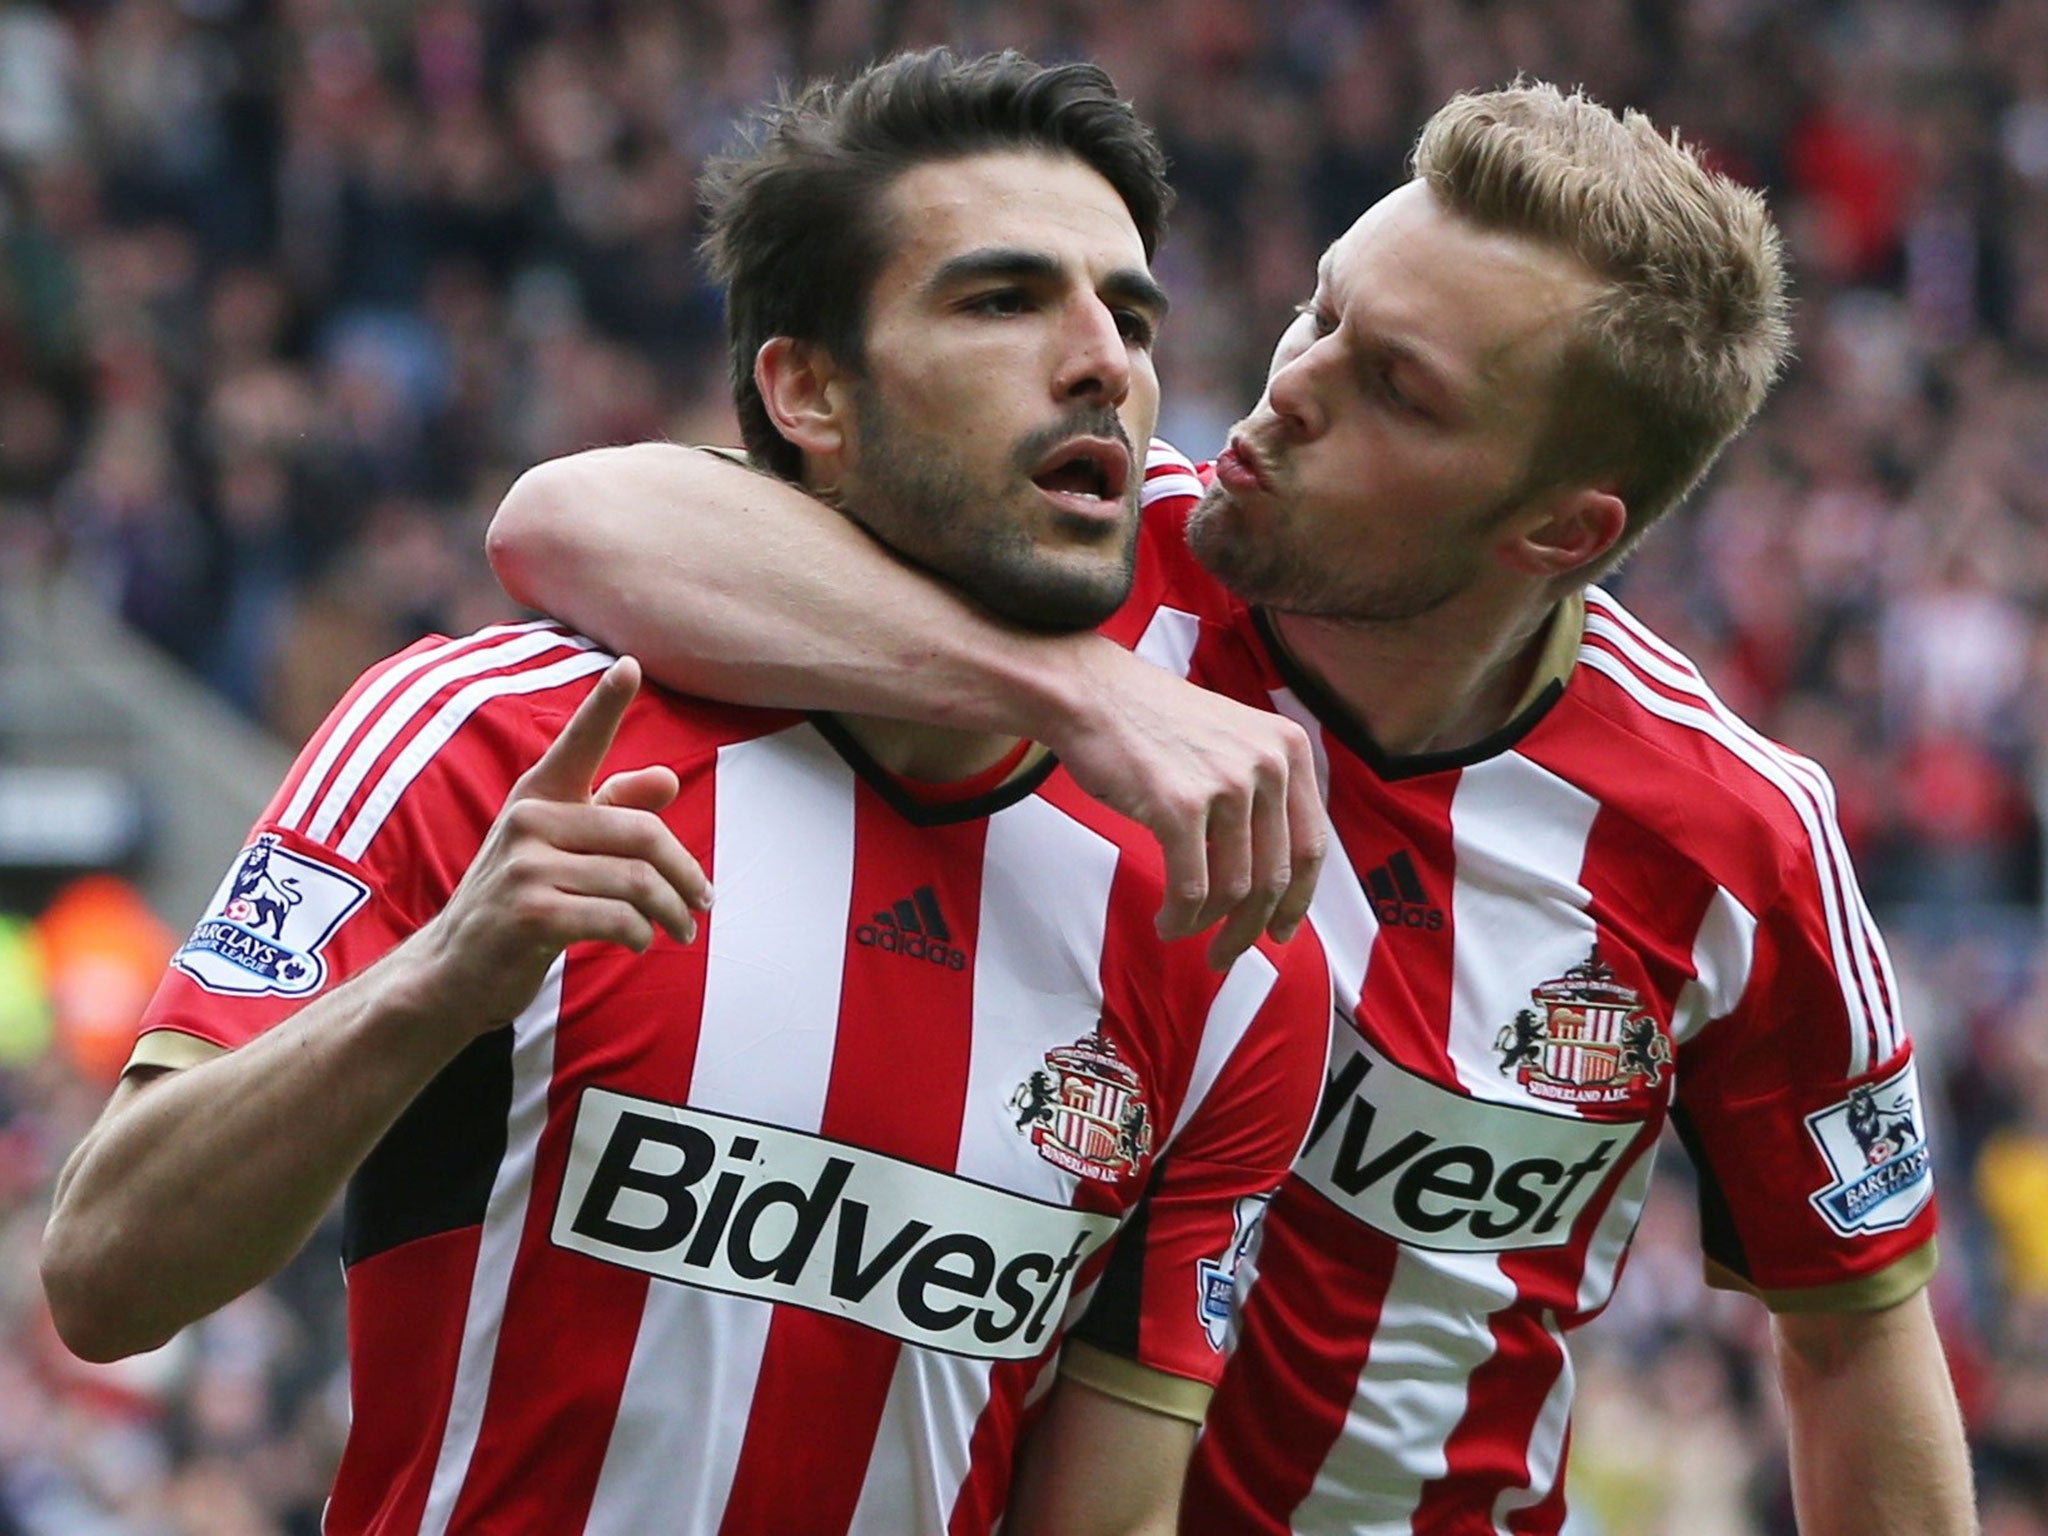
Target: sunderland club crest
x,y
1085,1110
1587,1040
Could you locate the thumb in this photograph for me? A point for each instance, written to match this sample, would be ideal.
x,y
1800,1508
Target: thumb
x,y
653,788
569,766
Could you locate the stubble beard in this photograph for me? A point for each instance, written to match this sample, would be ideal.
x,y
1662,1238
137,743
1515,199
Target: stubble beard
x,y
1279,573
976,532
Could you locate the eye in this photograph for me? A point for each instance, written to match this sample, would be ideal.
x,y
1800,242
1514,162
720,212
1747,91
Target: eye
x,y
1135,327
999,301
1323,321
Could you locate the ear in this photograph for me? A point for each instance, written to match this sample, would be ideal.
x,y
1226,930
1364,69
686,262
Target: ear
x,y
1564,532
806,397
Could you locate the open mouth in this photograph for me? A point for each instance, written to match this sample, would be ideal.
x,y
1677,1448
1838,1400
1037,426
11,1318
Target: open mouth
x,y
1093,469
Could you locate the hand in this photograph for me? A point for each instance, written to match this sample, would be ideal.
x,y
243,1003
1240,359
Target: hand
x,y
1229,791
563,864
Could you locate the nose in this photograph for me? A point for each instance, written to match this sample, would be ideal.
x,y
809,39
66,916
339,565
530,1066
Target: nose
x,y
1296,394
1095,360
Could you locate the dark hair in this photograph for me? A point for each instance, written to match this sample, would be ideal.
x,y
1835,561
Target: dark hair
x,y
797,228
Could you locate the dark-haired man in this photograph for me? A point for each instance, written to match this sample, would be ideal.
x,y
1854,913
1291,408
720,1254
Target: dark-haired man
x,y
1581,897
780,1230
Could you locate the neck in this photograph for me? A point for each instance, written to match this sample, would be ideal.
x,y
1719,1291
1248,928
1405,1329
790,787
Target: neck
x,y
1437,683
929,753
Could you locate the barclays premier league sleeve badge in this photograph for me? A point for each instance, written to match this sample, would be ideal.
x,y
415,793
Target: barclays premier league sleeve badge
x,y
1218,1278
1875,1144
268,924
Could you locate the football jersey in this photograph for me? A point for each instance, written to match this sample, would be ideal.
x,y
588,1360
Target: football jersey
x,y
1624,907
779,1230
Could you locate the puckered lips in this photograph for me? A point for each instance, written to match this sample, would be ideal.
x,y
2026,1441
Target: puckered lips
x,y
1086,477
1240,471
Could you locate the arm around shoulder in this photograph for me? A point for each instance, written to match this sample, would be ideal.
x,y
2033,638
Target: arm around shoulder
x,y
738,586
1876,1436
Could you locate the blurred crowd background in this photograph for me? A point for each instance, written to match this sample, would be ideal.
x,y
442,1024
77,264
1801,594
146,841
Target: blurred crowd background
x,y
291,289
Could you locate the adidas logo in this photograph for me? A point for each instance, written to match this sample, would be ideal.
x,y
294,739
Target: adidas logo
x,y
914,928
1398,899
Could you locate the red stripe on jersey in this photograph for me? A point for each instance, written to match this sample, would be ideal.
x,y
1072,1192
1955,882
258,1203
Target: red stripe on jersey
x,y
993,1446
405,1309
1405,1004
1546,1515
1794,810
1629,871
1777,782
1284,1401
906,1024
555,1388
1489,1452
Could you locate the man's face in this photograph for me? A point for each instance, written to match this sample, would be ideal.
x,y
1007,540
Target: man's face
x,y
1000,426
1400,419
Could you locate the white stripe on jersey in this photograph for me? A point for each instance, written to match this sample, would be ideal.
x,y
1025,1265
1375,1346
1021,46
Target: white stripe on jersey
x,y
533,1069
1872,1025
784,813
416,697
1159,487
1518,834
1545,1452
1031,846
1435,1330
1168,472
1346,923
1723,952
368,700
912,1469
417,753
1037,979
1169,641
1237,1003
1612,1233
1287,703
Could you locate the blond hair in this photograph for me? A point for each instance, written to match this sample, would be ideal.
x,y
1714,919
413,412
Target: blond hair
x,y
1676,352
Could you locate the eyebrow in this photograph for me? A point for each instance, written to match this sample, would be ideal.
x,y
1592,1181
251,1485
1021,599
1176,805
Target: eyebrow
x,y
1130,285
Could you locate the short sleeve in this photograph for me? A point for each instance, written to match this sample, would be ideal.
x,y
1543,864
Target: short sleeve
x,y
1165,1301
370,832
1802,1111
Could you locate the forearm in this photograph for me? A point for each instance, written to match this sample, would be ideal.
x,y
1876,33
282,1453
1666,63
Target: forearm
x,y
200,1184
739,586
1876,1439
736,586
1099,1466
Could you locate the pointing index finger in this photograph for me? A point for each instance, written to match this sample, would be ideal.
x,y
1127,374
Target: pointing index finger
x,y
570,765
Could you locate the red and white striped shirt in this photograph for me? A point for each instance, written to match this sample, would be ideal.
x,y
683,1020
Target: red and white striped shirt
x,y
779,1230
1624,906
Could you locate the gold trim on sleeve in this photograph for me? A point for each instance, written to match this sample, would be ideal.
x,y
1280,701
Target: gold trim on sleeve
x,y
1129,1382
1867,1293
171,1048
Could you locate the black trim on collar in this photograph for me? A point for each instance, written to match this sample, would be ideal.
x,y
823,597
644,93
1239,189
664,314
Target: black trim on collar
x,y
1350,730
921,813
